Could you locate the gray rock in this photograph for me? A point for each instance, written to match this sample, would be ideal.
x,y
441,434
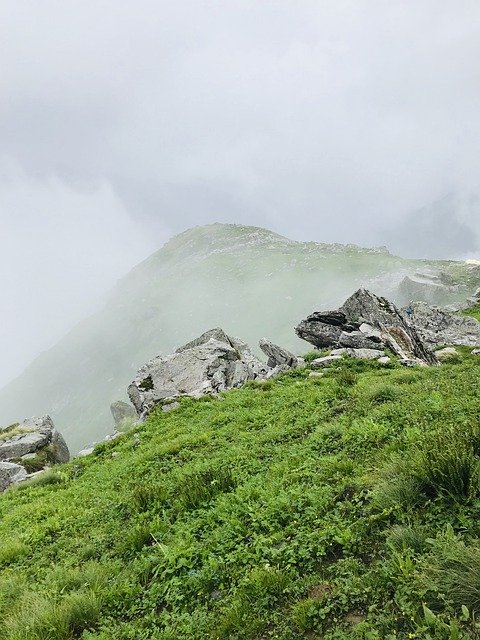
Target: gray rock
x,y
326,361
384,360
439,327
366,321
211,363
113,436
446,353
85,452
426,287
316,374
11,473
475,352
361,354
407,362
122,412
366,354
31,436
277,355
171,406
276,371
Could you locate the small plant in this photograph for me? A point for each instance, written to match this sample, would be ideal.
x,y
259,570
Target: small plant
x,y
448,467
200,487
312,355
383,392
402,538
346,377
44,479
12,550
145,496
452,572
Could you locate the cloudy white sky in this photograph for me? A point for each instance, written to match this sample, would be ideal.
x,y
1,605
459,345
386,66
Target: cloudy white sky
x,y
122,123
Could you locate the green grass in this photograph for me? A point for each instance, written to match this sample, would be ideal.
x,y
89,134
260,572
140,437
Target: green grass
x,y
474,312
333,508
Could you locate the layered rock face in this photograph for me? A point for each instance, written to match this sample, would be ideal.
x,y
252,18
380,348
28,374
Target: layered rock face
x,y
33,444
440,327
212,363
366,321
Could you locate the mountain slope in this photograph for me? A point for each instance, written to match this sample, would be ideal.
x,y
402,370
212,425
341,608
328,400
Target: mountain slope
x,y
250,281
342,507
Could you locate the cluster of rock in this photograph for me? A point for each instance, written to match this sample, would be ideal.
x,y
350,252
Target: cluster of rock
x,y
212,363
366,326
367,321
28,448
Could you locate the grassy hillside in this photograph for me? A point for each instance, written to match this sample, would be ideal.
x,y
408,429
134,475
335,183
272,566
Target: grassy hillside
x,y
250,281
335,507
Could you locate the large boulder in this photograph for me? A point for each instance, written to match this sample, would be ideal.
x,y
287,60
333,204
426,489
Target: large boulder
x,y
122,412
212,363
32,436
428,287
440,327
32,444
366,321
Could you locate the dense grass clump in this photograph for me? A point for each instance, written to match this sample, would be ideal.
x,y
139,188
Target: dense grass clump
x,y
338,507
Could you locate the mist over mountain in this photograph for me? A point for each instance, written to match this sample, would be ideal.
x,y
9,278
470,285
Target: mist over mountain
x,y
446,228
250,281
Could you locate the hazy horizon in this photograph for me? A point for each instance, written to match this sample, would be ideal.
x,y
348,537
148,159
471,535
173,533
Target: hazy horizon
x,y
123,125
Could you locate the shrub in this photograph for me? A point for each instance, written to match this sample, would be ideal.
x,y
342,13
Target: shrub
x,y
401,538
399,487
448,467
312,355
451,572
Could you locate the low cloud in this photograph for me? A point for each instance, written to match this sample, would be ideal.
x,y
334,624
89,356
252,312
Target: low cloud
x,y
127,122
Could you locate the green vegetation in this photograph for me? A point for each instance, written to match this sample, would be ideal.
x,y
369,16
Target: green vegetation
x,y
338,507
474,312
13,430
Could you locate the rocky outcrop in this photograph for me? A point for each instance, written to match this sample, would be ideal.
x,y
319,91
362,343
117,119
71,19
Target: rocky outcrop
x,y
29,446
366,321
212,363
440,327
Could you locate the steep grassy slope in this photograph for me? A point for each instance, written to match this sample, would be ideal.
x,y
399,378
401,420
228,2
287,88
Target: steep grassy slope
x,y
335,507
250,281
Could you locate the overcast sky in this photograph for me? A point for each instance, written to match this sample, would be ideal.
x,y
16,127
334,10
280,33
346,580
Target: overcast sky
x,y
122,123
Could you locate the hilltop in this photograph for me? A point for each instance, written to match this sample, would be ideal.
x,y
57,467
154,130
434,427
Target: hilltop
x,y
248,280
